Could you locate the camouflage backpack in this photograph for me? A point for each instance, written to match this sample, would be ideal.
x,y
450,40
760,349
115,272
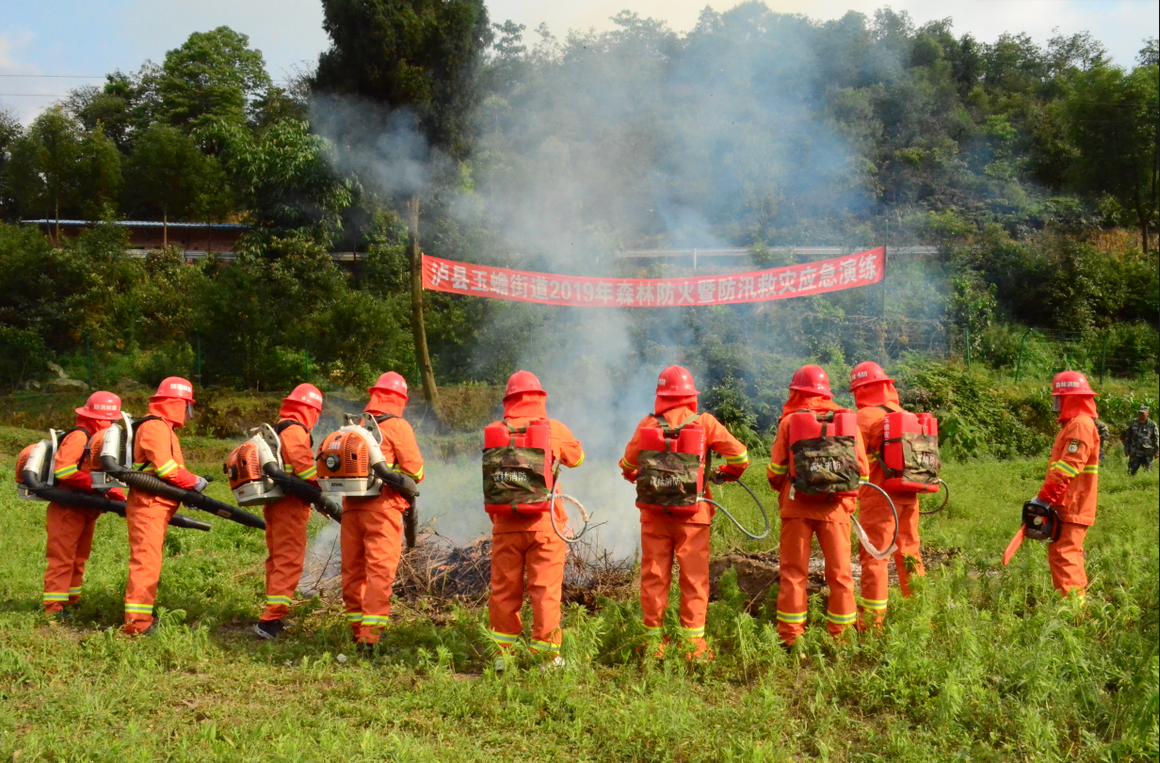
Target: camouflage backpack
x,y
671,466
824,453
517,472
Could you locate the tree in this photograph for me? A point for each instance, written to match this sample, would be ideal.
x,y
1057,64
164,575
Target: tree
x,y
1114,124
283,176
213,76
10,130
421,56
166,174
43,164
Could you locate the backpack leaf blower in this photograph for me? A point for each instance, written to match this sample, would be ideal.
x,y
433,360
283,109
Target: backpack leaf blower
x,y
351,464
33,478
118,444
824,464
1040,522
258,478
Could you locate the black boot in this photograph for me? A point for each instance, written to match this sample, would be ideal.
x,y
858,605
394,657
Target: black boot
x,y
269,629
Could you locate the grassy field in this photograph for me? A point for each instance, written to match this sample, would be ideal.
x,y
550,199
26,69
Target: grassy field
x,y
984,664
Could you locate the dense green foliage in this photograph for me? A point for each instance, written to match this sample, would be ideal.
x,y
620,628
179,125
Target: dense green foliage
x,y
985,663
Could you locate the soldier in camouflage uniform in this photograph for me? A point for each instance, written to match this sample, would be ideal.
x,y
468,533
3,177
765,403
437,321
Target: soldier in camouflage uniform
x,y
1141,442
1105,437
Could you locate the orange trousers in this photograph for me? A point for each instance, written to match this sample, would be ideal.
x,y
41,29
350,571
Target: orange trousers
x,y
286,522
660,543
147,527
1066,557
878,522
541,556
70,541
792,599
372,543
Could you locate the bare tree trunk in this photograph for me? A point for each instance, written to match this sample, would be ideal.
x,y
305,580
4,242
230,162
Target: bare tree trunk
x,y
165,228
56,212
422,355
1142,216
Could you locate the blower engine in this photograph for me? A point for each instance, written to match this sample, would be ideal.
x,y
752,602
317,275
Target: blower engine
x,y
517,468
247,468
910,457
824,453
351,464
37,459
671,467
102,480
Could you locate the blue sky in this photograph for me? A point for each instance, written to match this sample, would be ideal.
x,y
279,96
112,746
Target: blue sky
x,y
68,37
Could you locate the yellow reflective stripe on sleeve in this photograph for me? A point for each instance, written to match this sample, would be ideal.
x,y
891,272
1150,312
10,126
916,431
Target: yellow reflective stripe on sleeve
x,y
626,464
308,474
288,468
583,456
778,468
1091,469
413,475
740,458
168,467
1066,468
66,471
873,458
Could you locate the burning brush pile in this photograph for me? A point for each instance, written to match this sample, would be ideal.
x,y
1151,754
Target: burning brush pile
x,y
437,569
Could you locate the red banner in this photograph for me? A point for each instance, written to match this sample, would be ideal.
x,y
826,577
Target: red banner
x,y
839,273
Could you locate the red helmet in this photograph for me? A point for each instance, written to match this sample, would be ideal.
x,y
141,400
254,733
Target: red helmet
x,y
308,395
389,382
811,379
675,381
175,388
521,382
1071,383
867,372
102,405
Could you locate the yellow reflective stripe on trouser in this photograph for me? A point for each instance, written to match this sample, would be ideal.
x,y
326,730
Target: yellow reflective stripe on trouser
x,y
503,639
874,603
271,600
1091,469
740,458
692,632
544,646
374,620
354,617
55,596
1066,468
139,609
842,619
791,617
74,591
167,468
65,472
778,468
654,630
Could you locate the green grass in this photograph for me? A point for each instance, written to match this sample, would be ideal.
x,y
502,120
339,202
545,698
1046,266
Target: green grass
x,y
984,664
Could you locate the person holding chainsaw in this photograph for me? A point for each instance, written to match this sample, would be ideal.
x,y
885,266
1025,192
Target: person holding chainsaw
x,y
817,461
1067,500
70,529
372,527
666,458
519,483
875,397
156,450
287,518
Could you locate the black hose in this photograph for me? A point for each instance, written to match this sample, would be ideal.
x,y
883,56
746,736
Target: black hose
x,y
405,487
78,500
733,519
304,491
946,500
151,483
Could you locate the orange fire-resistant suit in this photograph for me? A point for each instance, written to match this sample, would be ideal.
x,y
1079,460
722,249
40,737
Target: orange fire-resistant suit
x,y
372,528
69,529
287,518
685,537
874,513
526,545
1072,487
155,450
801,519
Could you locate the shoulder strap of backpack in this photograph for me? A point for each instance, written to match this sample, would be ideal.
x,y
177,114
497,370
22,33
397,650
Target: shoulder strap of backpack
x,y
669,429
381,417
85,451
285,424
137,427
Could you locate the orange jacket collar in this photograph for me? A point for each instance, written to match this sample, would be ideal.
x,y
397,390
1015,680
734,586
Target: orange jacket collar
x,y
529,405
879,393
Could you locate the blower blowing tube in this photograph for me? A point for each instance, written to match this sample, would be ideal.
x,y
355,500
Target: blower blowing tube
x,y
406,487
150,483
66,497
303,491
